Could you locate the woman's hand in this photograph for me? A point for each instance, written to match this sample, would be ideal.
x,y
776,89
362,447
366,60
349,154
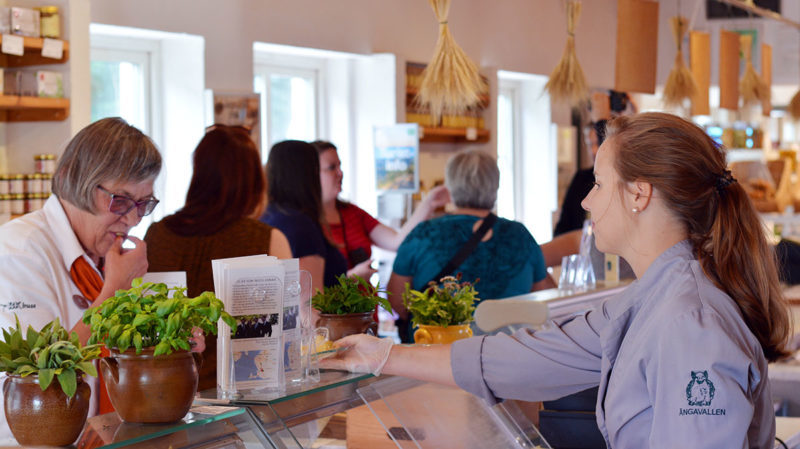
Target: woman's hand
x,y
366,354
436,197
364,270
122,265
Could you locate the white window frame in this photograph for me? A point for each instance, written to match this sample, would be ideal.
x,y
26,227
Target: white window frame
x,y
265,64
511,89
264,71
139,51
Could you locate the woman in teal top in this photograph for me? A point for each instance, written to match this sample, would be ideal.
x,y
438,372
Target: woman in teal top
x,y
506,262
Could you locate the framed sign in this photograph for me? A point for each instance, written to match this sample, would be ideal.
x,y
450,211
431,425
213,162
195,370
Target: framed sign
x,y
397,157
238,109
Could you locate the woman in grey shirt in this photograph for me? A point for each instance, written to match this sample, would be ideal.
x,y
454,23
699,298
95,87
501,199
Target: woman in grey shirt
x,y
681,355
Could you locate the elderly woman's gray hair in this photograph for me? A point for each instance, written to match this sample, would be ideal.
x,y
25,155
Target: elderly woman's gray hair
x,y
472,177
108,149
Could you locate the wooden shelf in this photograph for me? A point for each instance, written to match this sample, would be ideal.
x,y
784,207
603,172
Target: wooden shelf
x,y
451,135
33,54
32,109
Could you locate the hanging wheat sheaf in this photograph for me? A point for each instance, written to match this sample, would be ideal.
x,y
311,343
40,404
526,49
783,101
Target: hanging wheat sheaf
x,y
680,83
752,88
451,82
567,84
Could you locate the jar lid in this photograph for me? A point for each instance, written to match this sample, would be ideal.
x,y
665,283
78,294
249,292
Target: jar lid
x,y
19,176
37,176
50,156
48,9
18,196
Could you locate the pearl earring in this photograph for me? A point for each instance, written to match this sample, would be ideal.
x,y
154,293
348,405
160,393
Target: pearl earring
x,y
635,210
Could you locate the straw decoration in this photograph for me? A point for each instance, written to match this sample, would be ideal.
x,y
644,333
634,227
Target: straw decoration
x,y
451,82
752,88
680,84
567,84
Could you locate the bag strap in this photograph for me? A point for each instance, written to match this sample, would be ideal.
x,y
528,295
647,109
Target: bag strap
x,y
468,247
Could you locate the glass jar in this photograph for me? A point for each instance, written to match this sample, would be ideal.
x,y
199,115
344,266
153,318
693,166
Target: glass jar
x,y
5,204
4,185
33,183
33,202
49,22
17,204
47,184
45,163
16,184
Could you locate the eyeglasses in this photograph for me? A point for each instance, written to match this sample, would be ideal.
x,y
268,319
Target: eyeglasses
x,y
121,204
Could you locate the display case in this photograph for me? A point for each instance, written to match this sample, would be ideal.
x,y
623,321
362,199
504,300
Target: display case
x,y
346,410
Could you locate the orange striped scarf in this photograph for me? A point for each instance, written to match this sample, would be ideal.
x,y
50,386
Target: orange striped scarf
x,y
90,284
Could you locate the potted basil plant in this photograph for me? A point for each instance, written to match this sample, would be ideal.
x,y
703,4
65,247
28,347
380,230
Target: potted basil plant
x,y
45,384
442,311
151,375
347,307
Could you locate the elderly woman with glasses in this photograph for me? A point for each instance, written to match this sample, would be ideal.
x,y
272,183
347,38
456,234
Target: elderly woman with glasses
x,y
59,260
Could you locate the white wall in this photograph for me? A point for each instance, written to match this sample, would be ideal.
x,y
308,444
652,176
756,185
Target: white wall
x,y
518,35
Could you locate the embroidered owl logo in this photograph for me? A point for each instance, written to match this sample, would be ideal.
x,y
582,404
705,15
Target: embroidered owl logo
x,y
700,390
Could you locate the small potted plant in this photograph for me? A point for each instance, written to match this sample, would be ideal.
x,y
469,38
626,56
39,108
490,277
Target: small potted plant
x,y
442,311
151,374
347,308
45,386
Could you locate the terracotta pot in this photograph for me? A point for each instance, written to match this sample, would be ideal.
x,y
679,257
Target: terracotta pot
x,y
148,389
343,325
44,418
441,334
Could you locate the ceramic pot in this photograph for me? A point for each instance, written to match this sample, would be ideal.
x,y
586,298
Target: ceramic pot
x,y
441,334
148,389
343,325
44,418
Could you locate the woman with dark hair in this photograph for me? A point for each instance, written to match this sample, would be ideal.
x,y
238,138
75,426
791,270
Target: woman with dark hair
x,y
218,221
295,207
354,230
680,356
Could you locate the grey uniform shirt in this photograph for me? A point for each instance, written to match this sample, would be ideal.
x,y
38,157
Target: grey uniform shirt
x,y
676,365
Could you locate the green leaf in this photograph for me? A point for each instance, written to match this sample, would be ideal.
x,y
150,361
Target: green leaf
x,y
45,377
68,381
86,367
162,348
141,319
137,342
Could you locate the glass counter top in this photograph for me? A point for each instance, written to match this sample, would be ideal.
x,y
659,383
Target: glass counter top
x,y
329,379
234,425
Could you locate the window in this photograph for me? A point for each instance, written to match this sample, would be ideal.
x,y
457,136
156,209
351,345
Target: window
x,y
506,148
289,103
526,153
121,85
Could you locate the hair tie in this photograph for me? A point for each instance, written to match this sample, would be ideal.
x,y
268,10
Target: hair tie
x,y
724,180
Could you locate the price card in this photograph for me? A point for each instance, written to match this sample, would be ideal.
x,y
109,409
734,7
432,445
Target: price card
x,y
13,45
472,133
53,48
